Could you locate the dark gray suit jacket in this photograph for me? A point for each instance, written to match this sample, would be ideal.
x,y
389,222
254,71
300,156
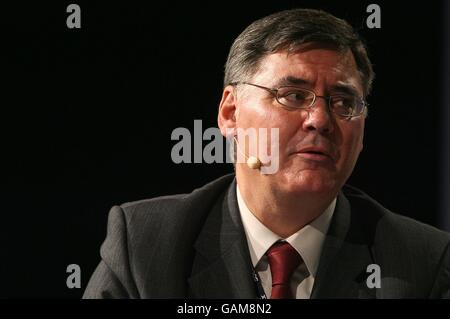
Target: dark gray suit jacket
x,y
194,246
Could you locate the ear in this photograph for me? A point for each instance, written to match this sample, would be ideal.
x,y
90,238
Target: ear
x,y
226,118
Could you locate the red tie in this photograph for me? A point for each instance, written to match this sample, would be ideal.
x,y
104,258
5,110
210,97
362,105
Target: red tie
x,y
283,260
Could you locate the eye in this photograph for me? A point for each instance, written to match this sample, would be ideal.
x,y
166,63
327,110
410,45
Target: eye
x,y
293,97
344,105
343,101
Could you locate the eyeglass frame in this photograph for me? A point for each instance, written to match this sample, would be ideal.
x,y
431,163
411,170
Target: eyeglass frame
x,y
274,92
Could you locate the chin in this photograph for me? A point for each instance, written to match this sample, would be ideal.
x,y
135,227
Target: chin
x,y
314,182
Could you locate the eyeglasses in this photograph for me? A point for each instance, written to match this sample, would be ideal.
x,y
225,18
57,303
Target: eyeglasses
x,y
344,105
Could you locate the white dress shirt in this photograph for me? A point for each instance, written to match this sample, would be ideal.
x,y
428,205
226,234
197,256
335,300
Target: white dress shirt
x,y
308,242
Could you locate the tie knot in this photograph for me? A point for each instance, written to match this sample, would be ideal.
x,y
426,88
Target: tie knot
x,y
283,260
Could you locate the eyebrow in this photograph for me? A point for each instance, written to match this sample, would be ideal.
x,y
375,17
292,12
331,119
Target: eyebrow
x,y
346,88
291,80
341,87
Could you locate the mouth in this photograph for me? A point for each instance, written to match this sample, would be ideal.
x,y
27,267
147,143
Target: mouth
x,y
316,154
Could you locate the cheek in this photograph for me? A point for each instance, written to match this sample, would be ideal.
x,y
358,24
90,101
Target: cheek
x,y
254,115
360,132
361,143
289,129
269,117
353,140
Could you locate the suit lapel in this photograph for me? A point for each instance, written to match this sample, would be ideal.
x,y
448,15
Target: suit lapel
x,y
222,265
345,256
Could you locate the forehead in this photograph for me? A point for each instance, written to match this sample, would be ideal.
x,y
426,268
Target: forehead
x,y
315,65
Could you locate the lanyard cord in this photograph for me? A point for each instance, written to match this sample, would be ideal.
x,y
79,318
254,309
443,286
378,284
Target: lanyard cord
x,y
259,287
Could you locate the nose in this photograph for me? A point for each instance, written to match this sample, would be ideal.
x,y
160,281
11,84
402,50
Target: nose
x,y
319,117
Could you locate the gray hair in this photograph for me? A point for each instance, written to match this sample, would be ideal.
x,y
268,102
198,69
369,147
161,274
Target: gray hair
x,y
287,30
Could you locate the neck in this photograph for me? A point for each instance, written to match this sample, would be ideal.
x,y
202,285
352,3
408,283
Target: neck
x,y
282,213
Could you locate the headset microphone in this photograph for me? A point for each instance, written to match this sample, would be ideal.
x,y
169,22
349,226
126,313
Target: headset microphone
x,y
252,161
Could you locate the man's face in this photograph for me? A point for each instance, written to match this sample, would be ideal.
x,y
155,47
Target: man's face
x,y
317,149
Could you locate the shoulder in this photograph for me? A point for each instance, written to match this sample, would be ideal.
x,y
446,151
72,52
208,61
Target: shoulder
x,y
156,237
166,218
172,207
403,247
392,225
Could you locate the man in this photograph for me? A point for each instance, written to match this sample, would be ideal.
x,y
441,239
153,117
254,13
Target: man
x,y
298,232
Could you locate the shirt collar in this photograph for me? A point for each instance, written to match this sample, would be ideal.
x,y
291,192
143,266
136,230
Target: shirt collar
x,y
308,241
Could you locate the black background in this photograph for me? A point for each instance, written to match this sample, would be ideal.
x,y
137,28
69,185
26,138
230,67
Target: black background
x,y
87,116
